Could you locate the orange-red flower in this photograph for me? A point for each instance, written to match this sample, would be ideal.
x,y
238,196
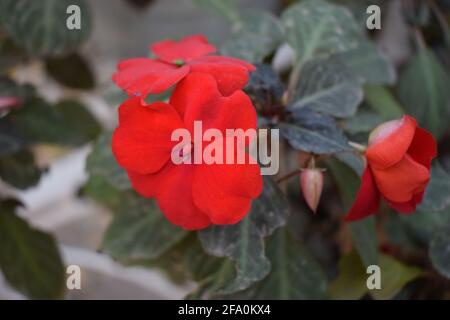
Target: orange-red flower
x,y
176,59
192,196
398,168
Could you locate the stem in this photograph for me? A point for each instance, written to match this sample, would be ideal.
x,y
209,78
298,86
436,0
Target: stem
x,y
419,38
290,175
359,147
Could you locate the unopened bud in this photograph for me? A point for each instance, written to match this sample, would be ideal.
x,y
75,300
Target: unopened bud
x,y
311,183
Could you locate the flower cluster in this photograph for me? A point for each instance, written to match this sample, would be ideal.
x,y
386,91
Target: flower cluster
x,y
208,88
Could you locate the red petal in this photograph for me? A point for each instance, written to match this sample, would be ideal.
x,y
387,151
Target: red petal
x,y
367,200
198,98
407,207
231,74
423,147
401,181
225,191
186,49
142,142
172,187
389,147
141,76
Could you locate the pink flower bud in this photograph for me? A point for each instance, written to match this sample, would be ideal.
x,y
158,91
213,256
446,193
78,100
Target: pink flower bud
x,y
8,103
311,183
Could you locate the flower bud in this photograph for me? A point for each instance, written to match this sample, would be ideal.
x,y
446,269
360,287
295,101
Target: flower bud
x,y
311,183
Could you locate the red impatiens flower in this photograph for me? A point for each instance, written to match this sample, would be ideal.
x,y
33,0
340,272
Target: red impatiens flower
x,y
398,168
192,196
176,59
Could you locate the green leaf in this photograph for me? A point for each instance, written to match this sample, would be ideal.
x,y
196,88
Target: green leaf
x,y
317,29
29,258
20,170
265,88
67,123
329,88
139,231
71,71
99,189
40,26
363,122
352,280
228,9
244,241
423,90
437,194
256,36
367,63
101,162
364,235
10,139
295,273
381,100
440,251
314,132
363,232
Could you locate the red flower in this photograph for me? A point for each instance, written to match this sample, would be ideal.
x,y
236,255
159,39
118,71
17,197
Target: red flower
x,y
175,59
398,168
192,196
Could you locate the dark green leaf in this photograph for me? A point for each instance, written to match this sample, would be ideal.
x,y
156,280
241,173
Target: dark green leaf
x,y
67,123
295,274
10,139
19,169
29,258
382,101
244,242
317,29
363,122
228,9
423,90
71,71
256,36
440,250
437,194
265,87
364,231
329,88
139,231
10,54
40,26
102,162
314,132
367,63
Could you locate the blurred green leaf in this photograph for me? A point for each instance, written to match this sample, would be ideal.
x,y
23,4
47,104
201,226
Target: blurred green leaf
x,y
381,100
244,241
139,231
327,87
437,194
10,139
440,250
367,63
99,189
265,88
423,90
363,122
67,123
40,26
317,29
295,273
352,280
229,9
254,37
29,258
314,132
363,231
20,170
101,162
71,71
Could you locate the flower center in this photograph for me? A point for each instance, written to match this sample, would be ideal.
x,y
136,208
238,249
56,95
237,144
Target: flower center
x,y
178,62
